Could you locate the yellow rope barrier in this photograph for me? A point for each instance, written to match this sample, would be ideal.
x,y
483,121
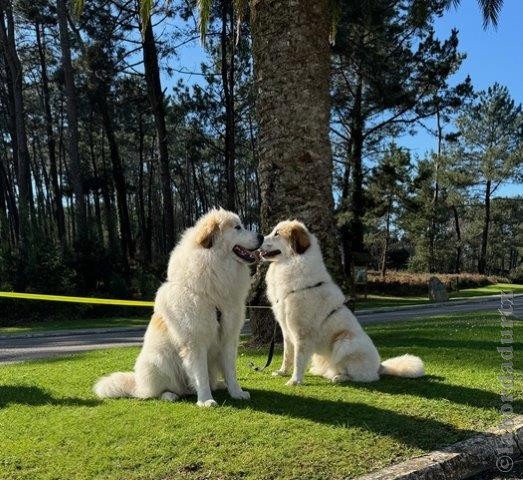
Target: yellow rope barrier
x,y
64,298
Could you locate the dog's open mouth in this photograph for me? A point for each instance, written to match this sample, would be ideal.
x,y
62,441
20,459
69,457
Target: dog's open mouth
x,y
269,254
244,254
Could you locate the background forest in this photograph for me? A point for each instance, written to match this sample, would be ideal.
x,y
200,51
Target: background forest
x,y
106,155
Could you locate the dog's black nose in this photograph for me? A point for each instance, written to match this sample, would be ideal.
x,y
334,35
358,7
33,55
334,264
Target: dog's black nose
x,y
260,238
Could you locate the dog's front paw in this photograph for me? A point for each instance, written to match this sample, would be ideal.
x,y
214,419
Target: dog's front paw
x,y
292,382
207,403
279,373
241,395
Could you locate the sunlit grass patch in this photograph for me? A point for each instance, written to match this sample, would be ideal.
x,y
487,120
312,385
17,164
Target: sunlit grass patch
x,y
53,427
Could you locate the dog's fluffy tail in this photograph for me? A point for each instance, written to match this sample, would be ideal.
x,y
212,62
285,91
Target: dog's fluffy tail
x,y
115,385
408,366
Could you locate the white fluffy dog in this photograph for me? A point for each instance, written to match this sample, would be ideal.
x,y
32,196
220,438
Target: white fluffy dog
x,y
191,342
315,322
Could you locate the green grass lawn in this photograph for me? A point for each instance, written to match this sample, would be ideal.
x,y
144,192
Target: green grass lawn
x,y
489,290
378,301
53,427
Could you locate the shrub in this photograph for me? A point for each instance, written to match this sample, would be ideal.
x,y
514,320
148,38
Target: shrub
x,y
517,276
408,283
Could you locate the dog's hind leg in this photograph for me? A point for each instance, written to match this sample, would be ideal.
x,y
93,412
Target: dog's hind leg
x,y
169,396
150,381
341,378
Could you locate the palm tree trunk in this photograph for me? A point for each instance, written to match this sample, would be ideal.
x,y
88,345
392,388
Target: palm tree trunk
x,y
292,71
227,72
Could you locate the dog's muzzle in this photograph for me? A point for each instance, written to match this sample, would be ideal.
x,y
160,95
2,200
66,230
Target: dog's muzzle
x,y
249,256
269,253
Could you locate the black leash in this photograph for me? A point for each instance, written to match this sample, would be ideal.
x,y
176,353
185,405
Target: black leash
x,y
271,351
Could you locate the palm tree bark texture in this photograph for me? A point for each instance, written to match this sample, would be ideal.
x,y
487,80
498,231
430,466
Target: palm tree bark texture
x,y
291,61
291,54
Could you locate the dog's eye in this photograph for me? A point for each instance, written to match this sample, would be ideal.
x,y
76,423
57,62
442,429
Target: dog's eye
x,y
238,227
276,233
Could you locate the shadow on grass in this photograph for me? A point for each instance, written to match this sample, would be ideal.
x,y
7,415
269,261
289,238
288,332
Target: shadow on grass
x,y
423,433
434,343
35,396
430,387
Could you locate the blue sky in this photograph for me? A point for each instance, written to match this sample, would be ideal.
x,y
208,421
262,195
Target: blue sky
x,y
493,55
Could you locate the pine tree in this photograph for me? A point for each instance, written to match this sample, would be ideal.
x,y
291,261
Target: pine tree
x,y
491,145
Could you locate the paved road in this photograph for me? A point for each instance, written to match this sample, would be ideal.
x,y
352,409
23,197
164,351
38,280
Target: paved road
x,y
470,305
13,349
19,349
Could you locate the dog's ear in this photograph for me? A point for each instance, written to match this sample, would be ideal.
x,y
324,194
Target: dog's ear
x,y
206,231
300,240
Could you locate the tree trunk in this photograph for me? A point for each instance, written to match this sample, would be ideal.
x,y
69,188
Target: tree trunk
x,y
386,243
358,206
75,168
155,93
292,72
57,193
108,207
96,190
15,73
482,262
227,72
118,177
435,198
148,242
4,219
141,201
8,192
292,67
345,226
457,267
6,85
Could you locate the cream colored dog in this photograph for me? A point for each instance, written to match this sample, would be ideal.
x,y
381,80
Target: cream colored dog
x,y
315,322
191,342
